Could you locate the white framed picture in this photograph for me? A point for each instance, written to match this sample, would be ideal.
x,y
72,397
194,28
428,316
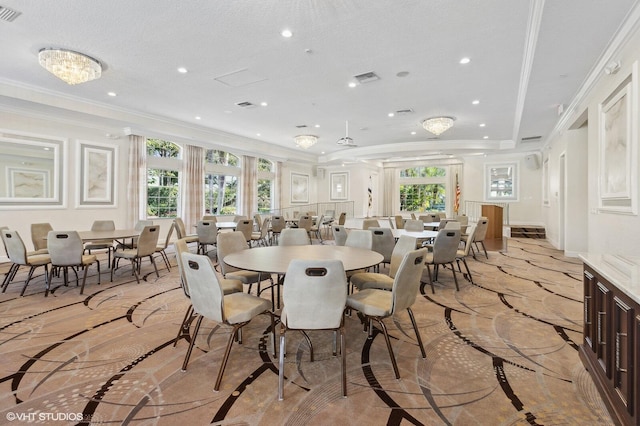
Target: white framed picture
x,y
299,188
96,169
339,186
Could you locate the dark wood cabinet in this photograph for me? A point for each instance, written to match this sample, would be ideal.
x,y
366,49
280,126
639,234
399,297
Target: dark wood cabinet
x,y
611,345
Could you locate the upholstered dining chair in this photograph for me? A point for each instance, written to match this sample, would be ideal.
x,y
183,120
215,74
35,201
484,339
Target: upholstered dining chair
x,y
207,235
245,226
342,218
181,231
278,224
370,223
139,226
445,249
376,305
307,282
399,221
306,222
339,234
101,225
209,301
66,251
260,237
39,233
480,235
462,254
383,243
414,225
161,248
316,229
294,237
147,243
17,252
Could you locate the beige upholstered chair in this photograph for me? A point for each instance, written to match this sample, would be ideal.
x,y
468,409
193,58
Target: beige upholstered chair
x,y
161,248
339,234
246,227
278,224
181,231
414,225
17,253
139,226
101,225
209,301
383,243
39,233
207,236
66,251
360,238
376,305
364,280
260,237
399,221
316,229
342,218
306,222
370,223
307,282
294,237
147,243
462,254
445,248
480,235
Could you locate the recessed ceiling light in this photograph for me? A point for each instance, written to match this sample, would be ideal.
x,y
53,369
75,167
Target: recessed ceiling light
x,y
112,94
485,137
263,104
465,61
322,152
482,124
316,126
182,70
391,114
286,33
258,134
476,102
352,84
413,133
198,117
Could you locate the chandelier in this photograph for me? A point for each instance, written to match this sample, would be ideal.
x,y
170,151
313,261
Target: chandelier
x,y
306,141
69,66
437,125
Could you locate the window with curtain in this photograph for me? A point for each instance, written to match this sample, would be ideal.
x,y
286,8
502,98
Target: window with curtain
x,y
423,188
266,179
221,183
163,178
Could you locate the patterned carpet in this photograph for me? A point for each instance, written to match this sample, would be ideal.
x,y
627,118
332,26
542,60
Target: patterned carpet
x,y
500,352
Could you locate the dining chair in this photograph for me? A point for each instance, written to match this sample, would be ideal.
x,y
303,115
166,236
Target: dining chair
x,y
207,232
370,223
364,280
359,238
399,221
462,254
147,243
17,252
414,225
39,232
209,301
445,248
239,217
316,229
383,242
339,234
342,218
480,235
210,218
161,248
278,224
107,244
294,237
376,305
307,282
245,226
139,226
13,269
260,237
67,251
181,231
306,222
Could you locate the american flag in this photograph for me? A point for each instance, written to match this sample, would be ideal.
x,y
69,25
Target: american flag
x,y
456,202
370,192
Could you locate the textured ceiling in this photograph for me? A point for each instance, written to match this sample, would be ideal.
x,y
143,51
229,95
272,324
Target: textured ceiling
x,y
527,57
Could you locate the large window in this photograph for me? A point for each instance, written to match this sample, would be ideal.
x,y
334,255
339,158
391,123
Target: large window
x,y
162,179
423,189
266,178
221,183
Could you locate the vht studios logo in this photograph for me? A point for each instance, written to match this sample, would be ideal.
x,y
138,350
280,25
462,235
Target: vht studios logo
x,y
43,417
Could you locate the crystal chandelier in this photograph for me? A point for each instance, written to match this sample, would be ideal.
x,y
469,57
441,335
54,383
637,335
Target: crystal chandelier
x,y
306,141
437,125
69,66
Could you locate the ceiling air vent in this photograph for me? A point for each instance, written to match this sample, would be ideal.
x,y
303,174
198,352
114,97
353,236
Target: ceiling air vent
x,y
404,111
301,126
245,104
531,139
367,77
7,14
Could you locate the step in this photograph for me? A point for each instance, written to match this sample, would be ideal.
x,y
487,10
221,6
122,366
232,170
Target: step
x,y
524,231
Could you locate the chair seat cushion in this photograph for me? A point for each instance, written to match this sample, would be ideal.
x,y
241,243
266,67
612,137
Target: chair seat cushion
x,y
428,257
38,259
364,280
191,238
127,254
372,302
230,286
88,259
247,277
242,307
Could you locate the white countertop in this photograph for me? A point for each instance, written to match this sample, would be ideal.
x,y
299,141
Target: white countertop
x,y
621,271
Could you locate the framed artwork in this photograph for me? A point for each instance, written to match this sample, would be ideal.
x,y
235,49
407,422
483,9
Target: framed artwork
x,y
97,168
299,188
339,186
28,183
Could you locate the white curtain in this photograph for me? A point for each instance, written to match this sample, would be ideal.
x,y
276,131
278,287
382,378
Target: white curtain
x,y
193,187
249,185
389,197
277,188
136,186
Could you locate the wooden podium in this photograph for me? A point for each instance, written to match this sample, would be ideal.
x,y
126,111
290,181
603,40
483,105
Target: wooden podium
x,y
494,214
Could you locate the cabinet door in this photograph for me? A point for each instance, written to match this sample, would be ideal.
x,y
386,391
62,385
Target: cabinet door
x,y
623,318
603,343
589,311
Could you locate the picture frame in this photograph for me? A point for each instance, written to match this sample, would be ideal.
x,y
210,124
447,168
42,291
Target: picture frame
x,y
339,186
299,188
28,183
96,170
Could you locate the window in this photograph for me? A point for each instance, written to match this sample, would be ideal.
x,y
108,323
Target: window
x,y
163,178
266,178
501,182
423,188
221,183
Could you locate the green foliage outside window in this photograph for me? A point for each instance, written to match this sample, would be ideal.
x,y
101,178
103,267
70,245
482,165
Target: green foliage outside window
x,y
214,156
264,195
221,194
162,193
417,197
163,149
421,172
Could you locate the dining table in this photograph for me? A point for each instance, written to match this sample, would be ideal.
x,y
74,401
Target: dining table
x,y
420,235
118,235
226,225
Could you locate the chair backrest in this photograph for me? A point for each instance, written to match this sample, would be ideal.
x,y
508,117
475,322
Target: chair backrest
x,y
277,224
404,245
65,248
180,247
257,219
413,216
246,227
139,226
237,218
230,242
181,231
445,247
414,225
39,233
210,217
360,238
481,229
463,219
383,242
392,223
342,219
316,226
103,225
207,232
370,223
296,214
425,218
435,217
264,228
294,237
450,224
305,222
167,239
14,246
329,215
339,234
148,240
406,283
306,283
471,231
399,222
207,296
442,215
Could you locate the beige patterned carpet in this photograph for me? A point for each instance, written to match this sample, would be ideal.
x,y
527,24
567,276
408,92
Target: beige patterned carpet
x,y
500,352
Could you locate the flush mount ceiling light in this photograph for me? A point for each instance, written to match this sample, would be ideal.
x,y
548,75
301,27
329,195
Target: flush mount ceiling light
x,y
438,125
306,141
69,66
